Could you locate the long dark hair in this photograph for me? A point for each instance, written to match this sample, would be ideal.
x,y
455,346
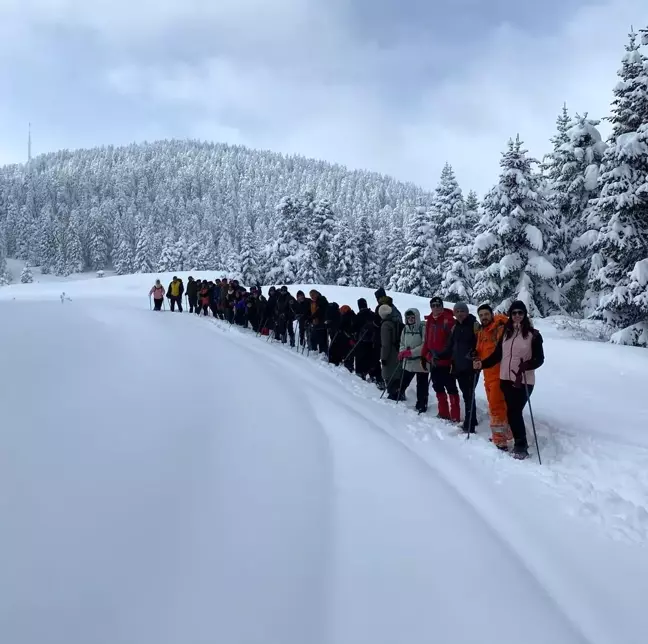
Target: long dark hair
x,y
525,325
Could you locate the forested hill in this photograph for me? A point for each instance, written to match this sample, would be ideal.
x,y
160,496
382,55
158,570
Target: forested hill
x,y
121,206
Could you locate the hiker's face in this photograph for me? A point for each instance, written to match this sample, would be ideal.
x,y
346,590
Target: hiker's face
x,y
485,317
460,315
300,298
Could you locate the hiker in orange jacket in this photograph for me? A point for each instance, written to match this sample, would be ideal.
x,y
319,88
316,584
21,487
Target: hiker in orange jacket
x,y
489,334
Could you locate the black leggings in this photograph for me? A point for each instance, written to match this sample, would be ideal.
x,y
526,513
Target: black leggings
x,y
516,400
158,304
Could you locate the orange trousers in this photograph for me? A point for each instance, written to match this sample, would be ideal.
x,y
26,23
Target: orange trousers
x,y
496,406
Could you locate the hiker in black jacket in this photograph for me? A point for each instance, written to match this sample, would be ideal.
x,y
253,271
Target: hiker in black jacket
x,y
192,294
461,346
319,336
284,316
301,307
367,332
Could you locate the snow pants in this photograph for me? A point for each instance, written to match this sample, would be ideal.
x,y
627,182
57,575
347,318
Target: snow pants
x,y
444,382
422,387
496,406
158,304
193,303
319,339
467,381
364,358
176,299
516,400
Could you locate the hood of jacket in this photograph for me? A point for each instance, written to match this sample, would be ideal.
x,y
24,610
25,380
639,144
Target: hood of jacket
x,y
417,316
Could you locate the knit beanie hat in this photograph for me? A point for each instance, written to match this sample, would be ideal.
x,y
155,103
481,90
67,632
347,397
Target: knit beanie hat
x,y
380,293
461,306
436,300
518,305
362,304
485,307
384,311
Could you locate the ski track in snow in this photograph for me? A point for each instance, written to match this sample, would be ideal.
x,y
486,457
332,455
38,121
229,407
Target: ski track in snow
x,y
151,520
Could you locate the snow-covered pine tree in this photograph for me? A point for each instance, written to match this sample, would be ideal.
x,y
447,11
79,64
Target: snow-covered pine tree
x,y
143,262
454,238
620,213
418,270
285,254
365,268
248,262
169,259
574,181
4,277
122,256
395,251
73,252
46,240
344,254
26,276
97,240
509,249
315,267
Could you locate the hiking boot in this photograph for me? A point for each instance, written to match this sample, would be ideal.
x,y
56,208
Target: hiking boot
x,y
520,453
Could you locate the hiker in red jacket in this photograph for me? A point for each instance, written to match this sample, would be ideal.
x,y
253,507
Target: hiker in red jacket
x,y
438,326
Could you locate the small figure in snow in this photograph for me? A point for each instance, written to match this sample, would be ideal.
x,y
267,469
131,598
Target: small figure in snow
x,y
157,291
174,293
411,344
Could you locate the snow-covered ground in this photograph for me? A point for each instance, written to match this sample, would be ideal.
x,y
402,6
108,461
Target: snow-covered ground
x,y
169,479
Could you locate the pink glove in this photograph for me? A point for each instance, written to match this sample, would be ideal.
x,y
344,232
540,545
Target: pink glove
x,y
403,355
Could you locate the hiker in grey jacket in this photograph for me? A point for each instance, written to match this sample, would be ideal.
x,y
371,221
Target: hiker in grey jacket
x,y
389,345
411,344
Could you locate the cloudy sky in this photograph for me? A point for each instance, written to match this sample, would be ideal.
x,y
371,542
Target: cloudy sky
x,y
397,86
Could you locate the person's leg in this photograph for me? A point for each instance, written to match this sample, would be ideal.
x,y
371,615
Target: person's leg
x,y
158,304
172,303
408,376
515,402
422,388
496,409
439,379
179,300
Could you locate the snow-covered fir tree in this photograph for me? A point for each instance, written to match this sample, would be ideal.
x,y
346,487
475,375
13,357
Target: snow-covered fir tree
x,y
454,238
26,276
316,264
509,249
169,260
249,266
285,254
344,254
365,269
4,275
418,270
574,181
620,213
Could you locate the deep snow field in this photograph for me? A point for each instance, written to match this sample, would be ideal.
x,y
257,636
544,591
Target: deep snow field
x,y
168,479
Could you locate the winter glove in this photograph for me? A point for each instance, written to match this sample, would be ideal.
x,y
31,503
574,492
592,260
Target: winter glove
x,y
403,355
424,363
527,365
518,379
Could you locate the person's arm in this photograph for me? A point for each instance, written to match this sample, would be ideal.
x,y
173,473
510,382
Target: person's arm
x,y
537,353
495,357
446,352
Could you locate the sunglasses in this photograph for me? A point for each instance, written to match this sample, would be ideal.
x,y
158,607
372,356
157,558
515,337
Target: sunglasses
x,y
436,305
517,313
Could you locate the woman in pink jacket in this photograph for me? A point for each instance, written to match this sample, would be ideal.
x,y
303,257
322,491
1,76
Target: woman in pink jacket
x,y
158,294
519,353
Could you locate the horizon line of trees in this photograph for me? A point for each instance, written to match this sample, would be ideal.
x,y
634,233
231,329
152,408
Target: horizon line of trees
x,y
568,234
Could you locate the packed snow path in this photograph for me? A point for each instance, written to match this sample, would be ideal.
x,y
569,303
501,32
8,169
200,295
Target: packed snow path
x,y
166,479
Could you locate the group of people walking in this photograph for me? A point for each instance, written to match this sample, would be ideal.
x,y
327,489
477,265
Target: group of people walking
x,y
448,349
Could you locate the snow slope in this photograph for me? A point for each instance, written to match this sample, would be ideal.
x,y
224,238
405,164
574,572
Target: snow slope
x,y
170,479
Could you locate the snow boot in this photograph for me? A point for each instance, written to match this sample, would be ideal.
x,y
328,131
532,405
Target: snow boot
x,y
421,408
444,409
520,453
455,408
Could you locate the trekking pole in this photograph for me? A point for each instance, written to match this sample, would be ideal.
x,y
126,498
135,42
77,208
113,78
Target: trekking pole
x,y
535,435
473,404
389,381
150,304
353,348
261,327
400,386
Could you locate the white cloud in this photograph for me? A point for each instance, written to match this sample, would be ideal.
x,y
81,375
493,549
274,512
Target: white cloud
x,y
292,75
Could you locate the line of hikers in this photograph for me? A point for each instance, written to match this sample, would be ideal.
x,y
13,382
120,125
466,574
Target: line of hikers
x,y
449,348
